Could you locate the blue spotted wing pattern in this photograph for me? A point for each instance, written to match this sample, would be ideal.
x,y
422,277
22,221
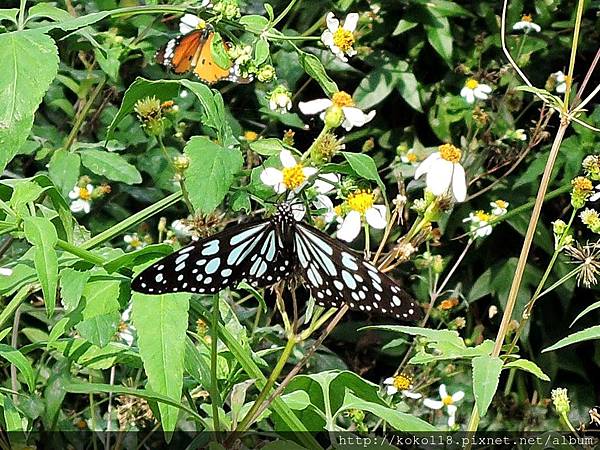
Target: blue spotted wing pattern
x,y
263,253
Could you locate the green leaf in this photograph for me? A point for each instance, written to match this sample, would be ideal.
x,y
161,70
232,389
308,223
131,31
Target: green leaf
x,y
100,313
161,323
486,376
590,308
24,192
374,88
268,146
580,336
219,52
29,64
211,172
40,232
254,22
15,357
9,14
213,108
528,366
89,355
261,51
47,11
314,68
399,421
440,38
12,417
72,283
408,86
63,169
110,165
403,26
365,167
139,89
137,257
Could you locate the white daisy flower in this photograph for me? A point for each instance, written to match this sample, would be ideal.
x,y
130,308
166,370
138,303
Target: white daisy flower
x,y
401,383
293,175
474,89
526,24
5,271
326,182
362,207
480,223
410,157
447,401
340,39
352,116
81,198
191,22
561,81
133,242
126,330
323,202
280,100
499,207
444,171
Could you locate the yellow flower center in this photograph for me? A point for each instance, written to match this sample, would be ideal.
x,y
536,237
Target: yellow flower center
x,y
361,201
250,136
201,25
582,185
526,18
135,242
450,153
343,39
412,157
482,216
471,83
293,176
447,400
402,382
501,204
338,210
341,99
84,194
122,327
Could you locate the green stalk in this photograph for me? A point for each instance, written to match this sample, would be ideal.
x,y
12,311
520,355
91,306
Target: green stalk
x,y
285,355
214,382
21,23
80,252
131,221
82,115
576,32
284,13
14,304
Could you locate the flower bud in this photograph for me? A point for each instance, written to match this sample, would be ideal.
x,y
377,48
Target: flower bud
x,y
266,73
334,116
560,398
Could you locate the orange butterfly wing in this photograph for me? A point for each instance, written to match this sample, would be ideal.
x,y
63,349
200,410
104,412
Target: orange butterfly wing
x,y
206,68
180,54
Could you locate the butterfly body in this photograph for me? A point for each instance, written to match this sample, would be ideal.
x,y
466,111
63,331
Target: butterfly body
x,y
265,252
192,52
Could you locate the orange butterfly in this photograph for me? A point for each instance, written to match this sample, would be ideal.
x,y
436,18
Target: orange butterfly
x,y
191,51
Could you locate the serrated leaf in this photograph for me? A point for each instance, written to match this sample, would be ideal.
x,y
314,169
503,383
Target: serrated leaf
x,y
211,172
15,357
528,366
314,68
486,376
63,169
110,165
588,334
161,324
40,232
365,167
29,64
100,313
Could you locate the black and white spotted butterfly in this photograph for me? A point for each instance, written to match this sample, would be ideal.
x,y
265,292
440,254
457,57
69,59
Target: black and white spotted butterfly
x,y
265,252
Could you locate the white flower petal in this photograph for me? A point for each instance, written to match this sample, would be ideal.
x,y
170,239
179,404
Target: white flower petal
x,y
391,390
594,197
439,176
480,94
536,27
376,216
86,206
271,176
425,166
90,188
355,117
443,391
484,88
350,227
458,396
389,380
433,404
451,415
287,159
314,106
332,23
128,238
351,22
74,194
323,186
519,26
411,394
327,38
561,88
280,188
309,171
459,183
188,23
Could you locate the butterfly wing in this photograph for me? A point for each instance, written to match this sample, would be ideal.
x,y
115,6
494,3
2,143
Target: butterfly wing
x,y
180,53
209,71
250,252
336,276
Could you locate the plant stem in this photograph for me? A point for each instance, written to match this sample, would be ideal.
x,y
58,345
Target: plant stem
x,y
80,252
214,385
21,23
284,13
254,410
574,45
83,113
